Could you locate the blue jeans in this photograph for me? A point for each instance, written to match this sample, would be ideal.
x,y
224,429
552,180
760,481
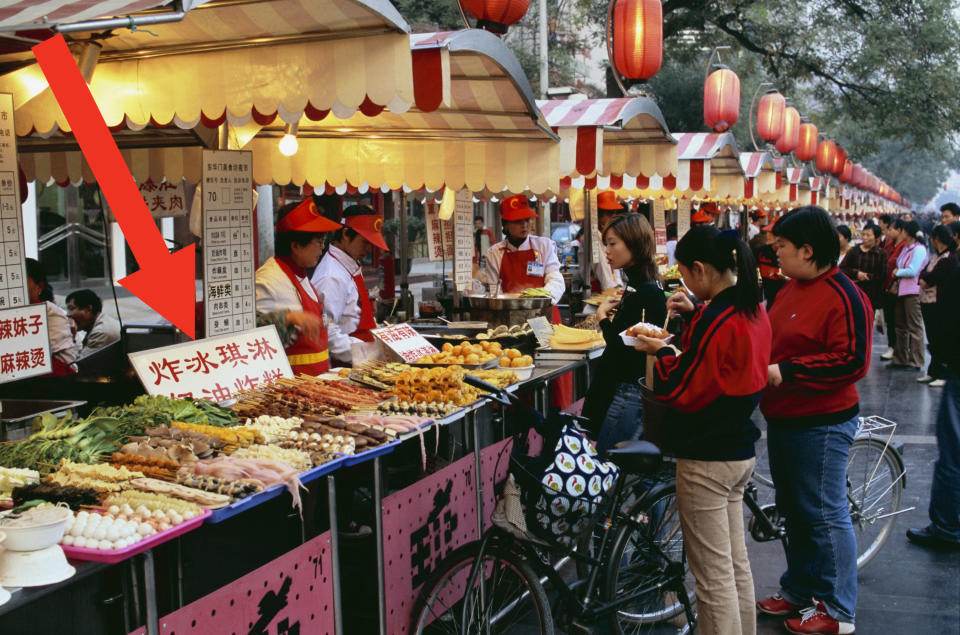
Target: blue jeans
x,y
809,468
945,492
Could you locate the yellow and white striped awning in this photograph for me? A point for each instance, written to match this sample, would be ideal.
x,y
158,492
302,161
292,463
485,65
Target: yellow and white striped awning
x,y
238,62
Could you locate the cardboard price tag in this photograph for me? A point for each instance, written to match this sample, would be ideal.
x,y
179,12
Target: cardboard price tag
x,y
24,343
403,340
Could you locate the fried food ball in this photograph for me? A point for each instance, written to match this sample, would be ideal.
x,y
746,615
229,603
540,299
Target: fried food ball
x,y
505,362
447,347
512,353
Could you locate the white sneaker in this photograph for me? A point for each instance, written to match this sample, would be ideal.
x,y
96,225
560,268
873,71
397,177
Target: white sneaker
x,y
938,383
888,355
926,379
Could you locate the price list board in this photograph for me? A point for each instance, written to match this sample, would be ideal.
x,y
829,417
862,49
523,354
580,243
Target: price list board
x,y
463,237
13,279
228,235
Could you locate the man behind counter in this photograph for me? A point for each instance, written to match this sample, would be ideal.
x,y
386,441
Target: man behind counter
x,y
85,308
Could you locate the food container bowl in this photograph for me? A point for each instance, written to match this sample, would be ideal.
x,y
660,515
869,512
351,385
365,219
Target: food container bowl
x,y
36,537
34,568
523,372
508,302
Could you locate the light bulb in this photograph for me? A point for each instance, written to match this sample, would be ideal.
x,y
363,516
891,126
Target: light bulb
x,y
288,145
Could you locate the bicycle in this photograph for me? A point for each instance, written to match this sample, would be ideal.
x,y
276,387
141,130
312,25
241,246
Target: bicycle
x,y
636,579
876,478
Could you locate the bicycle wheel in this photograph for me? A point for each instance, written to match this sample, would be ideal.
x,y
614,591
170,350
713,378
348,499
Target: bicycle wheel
x,y
874,492
635,564
514,600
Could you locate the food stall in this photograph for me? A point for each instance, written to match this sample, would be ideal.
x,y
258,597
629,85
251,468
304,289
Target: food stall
x,y
492,139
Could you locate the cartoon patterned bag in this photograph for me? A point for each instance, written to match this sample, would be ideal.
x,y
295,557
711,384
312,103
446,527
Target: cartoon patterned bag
x,y
563,490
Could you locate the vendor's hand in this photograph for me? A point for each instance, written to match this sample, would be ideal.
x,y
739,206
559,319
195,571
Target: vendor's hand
x,y
774,377
648,344
679,303
861,275
603,310
308,323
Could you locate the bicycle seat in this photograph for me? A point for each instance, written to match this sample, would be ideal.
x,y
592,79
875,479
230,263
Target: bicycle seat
x,y
636,457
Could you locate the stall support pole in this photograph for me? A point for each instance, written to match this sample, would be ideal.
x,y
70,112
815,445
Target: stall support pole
x,y
402,239
150,593
334,553
478,483
378,522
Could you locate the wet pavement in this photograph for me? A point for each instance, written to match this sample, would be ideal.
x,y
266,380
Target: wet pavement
x,y
905,589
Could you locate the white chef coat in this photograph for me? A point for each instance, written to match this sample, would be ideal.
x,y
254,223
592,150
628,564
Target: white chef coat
x,y
547,250
333,280
275,291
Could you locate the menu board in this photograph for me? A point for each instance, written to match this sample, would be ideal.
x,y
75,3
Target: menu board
x,y
215,368
403,340
660,225
594,229
463,240
439,234
228,235
13,279
24,342
683,217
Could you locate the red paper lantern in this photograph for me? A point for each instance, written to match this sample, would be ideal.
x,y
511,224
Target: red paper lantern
x,y
770,115
790,138
826,153
721,99
496,15
838,160
637,37
807,148
847,173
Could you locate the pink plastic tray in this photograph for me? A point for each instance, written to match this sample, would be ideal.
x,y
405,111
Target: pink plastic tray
x,y
119,555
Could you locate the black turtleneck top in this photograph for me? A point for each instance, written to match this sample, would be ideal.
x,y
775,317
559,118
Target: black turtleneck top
x,y
643,301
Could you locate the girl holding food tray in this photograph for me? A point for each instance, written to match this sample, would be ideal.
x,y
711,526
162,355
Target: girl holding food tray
x,y
712,389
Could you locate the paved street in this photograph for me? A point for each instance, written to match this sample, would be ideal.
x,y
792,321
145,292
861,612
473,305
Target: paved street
x,y
905,589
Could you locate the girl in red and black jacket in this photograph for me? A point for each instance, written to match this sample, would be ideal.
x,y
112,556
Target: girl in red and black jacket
x,y
713,387
822,325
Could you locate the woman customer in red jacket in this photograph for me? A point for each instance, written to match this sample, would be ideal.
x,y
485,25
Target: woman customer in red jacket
x,y
821,348
713,387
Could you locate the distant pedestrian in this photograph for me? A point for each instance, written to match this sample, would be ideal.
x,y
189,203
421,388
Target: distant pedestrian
x,y
908,352
949,213
944,528
866,264
892,245
939,266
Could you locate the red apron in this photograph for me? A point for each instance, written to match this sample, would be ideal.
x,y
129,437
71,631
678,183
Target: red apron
x,y
306,355
366,313
514,279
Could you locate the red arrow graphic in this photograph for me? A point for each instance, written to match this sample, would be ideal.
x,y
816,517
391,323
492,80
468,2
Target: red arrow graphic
x,y
165,281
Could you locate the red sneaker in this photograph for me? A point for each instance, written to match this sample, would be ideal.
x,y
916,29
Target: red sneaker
x,y
776,605
816,621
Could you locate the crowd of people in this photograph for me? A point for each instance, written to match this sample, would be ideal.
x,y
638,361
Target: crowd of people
x,y
785,324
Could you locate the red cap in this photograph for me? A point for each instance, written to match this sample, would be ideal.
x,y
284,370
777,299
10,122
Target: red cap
x,y
701,216
607,200
516,208
368,226
305,218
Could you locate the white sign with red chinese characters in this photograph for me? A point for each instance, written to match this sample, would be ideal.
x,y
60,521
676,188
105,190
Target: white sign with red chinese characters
x,y
215,368
24,342
403,340
439,233
660,225
228,235
163,199
13,278
463,238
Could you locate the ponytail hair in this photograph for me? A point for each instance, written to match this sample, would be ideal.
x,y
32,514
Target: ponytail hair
x,y
723,251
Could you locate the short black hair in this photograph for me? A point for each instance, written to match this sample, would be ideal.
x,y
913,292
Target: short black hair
x,y
886,219
944,234
844,231
811,225
955,228
912,227
86,298
38,274
953,208
478,218
672,231
283,241
872,228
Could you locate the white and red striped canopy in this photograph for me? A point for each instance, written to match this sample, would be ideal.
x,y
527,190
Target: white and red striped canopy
x,y
759,173
625,137
34,14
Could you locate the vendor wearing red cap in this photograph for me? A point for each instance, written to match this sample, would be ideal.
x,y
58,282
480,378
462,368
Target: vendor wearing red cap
x,y
523,261
339,281
285,296
604,277
771,277
758,218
